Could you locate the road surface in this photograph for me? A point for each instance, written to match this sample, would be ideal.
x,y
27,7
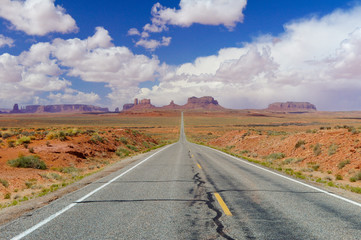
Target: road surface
x,y
188,191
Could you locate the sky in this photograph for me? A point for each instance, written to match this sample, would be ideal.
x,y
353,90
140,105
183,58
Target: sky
x,y
244,53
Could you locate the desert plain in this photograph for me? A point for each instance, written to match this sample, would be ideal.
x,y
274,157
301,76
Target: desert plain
x,y
320,147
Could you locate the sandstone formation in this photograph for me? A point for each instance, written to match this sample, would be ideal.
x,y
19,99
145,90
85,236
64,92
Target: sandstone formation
x,y
207,103
171,106
64,108
292,107
138,105
204,103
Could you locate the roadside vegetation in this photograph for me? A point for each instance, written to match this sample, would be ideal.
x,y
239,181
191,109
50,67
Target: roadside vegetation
x,y
45,159
314,147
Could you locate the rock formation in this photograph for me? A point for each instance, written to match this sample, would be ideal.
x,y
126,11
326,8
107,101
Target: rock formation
x,y
171,106
205,103
64,108
292,107
202,103
138,105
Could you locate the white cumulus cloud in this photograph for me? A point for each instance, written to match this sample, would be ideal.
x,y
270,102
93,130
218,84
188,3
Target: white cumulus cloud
x,y
206,12
37,17
6,41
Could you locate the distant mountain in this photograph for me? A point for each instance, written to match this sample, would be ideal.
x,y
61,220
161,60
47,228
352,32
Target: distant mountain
x,y
203,103
63,108
292,107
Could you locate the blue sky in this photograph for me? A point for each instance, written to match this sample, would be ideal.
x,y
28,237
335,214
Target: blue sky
x,y
246,54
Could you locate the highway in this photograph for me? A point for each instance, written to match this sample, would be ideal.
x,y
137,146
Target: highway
x,y
188,191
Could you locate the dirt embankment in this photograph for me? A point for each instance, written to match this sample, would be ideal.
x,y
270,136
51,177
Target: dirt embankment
x,y
69,154
328,155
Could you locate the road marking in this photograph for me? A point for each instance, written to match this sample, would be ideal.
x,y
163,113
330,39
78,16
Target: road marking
x,y
199,166
290,179
223,204
45,221
192,156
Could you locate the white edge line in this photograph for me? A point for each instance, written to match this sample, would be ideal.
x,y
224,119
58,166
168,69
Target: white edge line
x,y
50,218
288,178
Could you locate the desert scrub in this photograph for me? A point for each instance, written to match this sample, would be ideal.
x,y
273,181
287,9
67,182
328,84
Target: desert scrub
x,y
343,164
97,138
31,161
332,149
122,152
133,148
123,140
300,143
4,182
11,143
317,149
275,156
356,177
23,140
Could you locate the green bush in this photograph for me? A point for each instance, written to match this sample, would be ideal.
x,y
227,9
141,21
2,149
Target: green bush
x,y
332,149
122,152
7,196
300,143
96,138
23,140
4,182
343,164
317,149
275,156
123,140
133,148
28,162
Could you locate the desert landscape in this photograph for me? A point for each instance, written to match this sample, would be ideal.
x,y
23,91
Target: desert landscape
x,y
293,138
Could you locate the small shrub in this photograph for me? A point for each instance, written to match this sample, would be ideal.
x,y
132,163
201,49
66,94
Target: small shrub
x,y
96,138
133,148
317,149
69,169
339,177
343,164
31,150
6,135
4,182
11,143
332,149
300,143
275,156
316,167
7,196
28,162
23,140
122,152
356,177
123,140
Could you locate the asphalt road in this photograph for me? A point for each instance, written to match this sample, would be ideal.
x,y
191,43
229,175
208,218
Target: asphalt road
x,y
187,191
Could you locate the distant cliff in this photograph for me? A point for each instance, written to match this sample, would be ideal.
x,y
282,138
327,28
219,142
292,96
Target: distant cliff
x,y
292,107
63,108
205,103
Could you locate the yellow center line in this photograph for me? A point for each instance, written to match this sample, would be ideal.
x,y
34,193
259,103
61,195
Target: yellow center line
x,y
223,204
199,166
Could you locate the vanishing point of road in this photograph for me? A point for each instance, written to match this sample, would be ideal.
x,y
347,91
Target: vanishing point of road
x,y
188,191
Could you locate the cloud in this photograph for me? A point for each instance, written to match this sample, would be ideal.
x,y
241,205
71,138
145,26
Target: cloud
x,y
153,44
133,32
37,17
71,96
316,59
46,66
205,12
6,41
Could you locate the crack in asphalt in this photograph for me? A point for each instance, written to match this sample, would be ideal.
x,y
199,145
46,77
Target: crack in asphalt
x,y
210,203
